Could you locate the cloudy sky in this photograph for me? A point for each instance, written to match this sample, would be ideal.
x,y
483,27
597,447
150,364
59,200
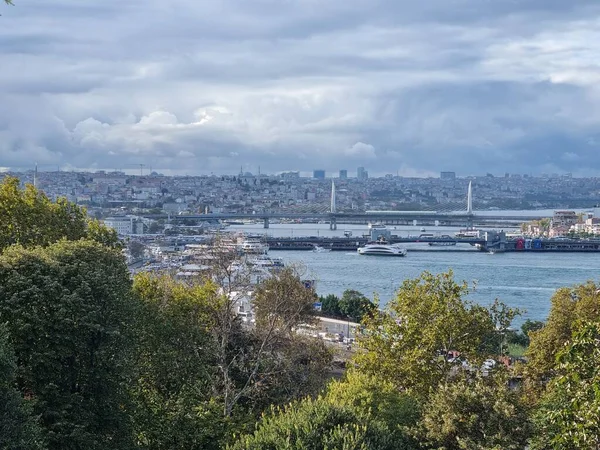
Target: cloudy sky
x,y
396,86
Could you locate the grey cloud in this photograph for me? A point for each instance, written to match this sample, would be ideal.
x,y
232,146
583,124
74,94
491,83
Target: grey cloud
x,y
201,86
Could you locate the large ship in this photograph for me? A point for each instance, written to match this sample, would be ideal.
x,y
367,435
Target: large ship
x,y
254,247
382,248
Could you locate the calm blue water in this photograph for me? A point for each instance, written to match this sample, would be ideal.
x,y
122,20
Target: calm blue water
x,y
522,280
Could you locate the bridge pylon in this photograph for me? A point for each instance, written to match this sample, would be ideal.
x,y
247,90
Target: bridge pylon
x,y
470,199
333,207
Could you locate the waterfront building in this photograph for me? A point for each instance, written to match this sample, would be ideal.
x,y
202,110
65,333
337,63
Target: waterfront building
x,y
564,218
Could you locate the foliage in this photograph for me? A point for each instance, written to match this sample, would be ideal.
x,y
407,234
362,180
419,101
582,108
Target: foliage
x,y
330,306
569,305
68,310
19,429
29,218
408,344
482,413
371,396
317,424
282,302
174,366
136,249
569,415
354,305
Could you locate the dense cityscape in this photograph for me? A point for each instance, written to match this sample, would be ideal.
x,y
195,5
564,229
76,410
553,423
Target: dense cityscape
x,y
299,225
245,192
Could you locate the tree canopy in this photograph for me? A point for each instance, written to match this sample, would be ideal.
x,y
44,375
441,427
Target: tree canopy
x,y
410,342
569,413
29,218
569,307
480,412
68,310
19,429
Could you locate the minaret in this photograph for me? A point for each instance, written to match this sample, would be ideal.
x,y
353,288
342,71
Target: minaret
x,y
470,199
333,209
35,176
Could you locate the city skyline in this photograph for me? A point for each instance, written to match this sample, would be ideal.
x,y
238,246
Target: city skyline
x,y
396,87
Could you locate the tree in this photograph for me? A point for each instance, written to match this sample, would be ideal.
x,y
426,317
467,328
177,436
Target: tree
x,y
330,306
569,306
256,368
19,429
282,302
569,413
317,425
136,249
354,305
481,413
29,218
531,326
370,396
68,310
174,362
408,344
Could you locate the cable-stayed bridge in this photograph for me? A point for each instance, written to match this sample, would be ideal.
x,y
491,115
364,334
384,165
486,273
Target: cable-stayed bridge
x,y
330,213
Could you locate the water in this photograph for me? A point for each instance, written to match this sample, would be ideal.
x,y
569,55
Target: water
x,y
523,280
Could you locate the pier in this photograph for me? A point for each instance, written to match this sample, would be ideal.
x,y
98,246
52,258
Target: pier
x,y
491,241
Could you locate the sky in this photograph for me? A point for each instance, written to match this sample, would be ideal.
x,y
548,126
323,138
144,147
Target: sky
x,y
214,86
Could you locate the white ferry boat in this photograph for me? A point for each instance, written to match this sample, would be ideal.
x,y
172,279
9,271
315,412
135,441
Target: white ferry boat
x,y
468,233
319,249
382,249
265,262
254,247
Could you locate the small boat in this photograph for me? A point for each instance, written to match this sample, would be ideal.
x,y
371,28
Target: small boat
x,y
442,244
318,249
423,229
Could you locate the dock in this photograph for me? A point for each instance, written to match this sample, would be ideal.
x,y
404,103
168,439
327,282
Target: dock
x,y
494,242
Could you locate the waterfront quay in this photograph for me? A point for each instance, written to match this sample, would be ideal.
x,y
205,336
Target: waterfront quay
x,y
494,242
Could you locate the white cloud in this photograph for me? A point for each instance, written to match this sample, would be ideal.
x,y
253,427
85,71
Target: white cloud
x,y
207,86
361,150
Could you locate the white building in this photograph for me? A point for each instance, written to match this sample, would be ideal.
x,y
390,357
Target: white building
x,y
125,225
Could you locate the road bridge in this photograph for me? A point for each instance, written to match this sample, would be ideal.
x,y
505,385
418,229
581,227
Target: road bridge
x,y
467,218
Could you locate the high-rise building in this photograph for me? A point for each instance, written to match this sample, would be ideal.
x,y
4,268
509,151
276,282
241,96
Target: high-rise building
x,y
448,175
343,174
361,173
319,174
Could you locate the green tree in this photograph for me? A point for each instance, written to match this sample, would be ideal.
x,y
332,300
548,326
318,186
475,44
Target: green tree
x,y
29,218
569,306
136,249
68,308
330,306
370,396
569,414
269,361
408,344
19,429
317,425
354,305
282,302
174,366
481,413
